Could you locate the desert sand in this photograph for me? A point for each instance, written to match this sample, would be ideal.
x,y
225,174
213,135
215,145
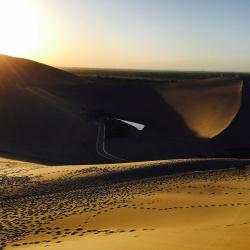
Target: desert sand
x,y
208,106
73,176
126,206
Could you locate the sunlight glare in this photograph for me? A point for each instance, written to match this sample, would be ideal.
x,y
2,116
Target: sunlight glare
x,y
19,28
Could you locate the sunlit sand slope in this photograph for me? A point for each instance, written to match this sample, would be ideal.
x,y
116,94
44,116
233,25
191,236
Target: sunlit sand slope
x,y
107,207
207,106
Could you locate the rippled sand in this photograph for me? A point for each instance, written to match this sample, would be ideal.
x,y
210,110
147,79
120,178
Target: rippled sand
x,y
126,206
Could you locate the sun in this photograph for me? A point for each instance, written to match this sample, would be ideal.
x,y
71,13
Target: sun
x,y
20,31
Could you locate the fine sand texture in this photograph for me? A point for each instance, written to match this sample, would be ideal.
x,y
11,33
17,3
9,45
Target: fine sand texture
x,y
150,205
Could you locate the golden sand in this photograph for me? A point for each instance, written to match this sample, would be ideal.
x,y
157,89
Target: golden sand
x,y
60,208
208,106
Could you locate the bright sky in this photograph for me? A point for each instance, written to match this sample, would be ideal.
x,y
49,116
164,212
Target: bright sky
x,y
143,34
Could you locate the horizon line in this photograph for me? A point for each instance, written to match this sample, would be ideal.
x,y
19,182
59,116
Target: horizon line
x,y
153,70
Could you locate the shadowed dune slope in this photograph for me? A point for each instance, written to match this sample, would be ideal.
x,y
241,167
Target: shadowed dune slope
x,y
52,115
237,134
34,121
133,101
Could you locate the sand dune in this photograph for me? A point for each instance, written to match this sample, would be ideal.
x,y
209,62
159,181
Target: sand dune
x,y
24,72
189,199
39,125
181,211
35,122
236,136
49,115
207,106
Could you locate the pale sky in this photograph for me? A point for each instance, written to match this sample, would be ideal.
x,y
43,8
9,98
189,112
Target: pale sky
x,y
140,34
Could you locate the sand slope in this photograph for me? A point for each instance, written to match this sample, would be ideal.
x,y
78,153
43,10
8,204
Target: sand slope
x,y
49,115
236,136
208,106
124,211
35,122
19,71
